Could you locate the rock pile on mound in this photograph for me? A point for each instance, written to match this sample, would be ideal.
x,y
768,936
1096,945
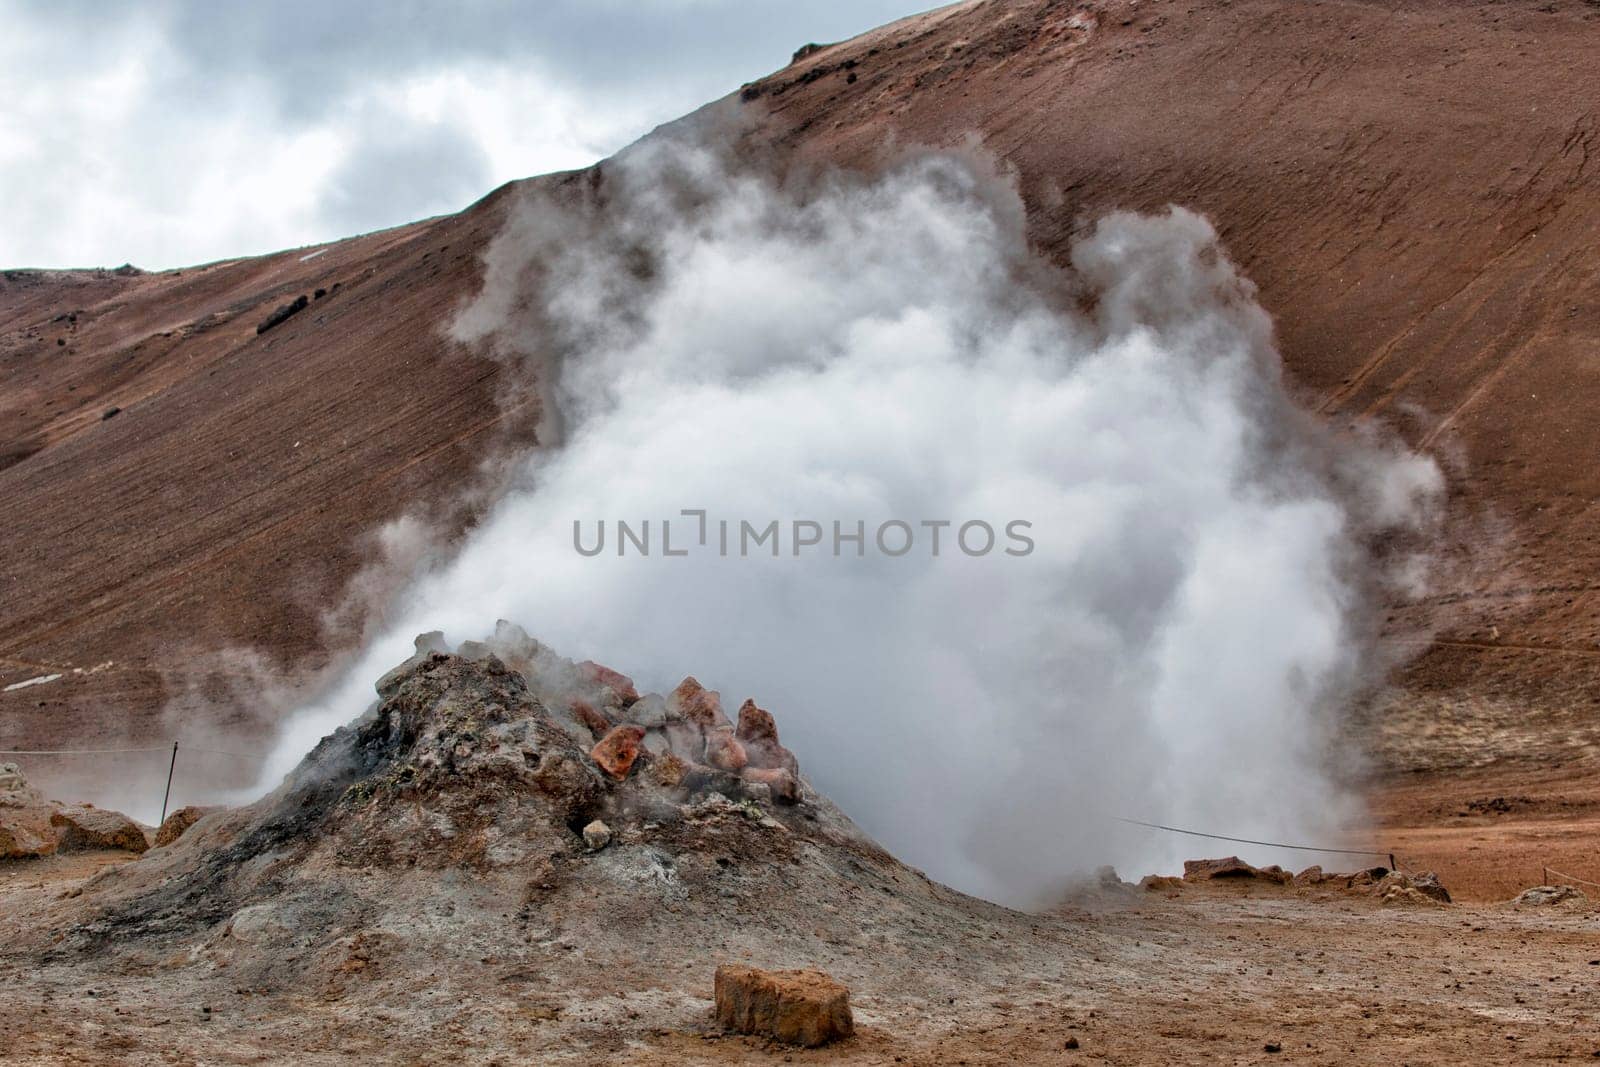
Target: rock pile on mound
x,y
683,741
1545,895
497,801
1389,887
32,827
15,792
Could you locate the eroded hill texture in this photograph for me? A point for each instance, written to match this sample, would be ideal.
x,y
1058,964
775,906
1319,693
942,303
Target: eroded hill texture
x,y
1410,185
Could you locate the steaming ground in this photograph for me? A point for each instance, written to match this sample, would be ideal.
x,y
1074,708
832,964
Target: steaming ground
x,y
1180,642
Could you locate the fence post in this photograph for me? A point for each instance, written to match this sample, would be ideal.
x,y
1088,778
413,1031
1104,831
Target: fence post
x,y
168,795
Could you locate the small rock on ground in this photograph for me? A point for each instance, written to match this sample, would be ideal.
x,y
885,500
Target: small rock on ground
x,y
796,1007
597,835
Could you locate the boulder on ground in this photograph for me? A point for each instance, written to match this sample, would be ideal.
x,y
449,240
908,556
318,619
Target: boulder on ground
x,y
1361,879
669,770
19,842
83,827
514,647
617,750
700,778
180,821
785,787
283,313
1232,867
586,715
15,792
685,739
724,752
756,724
1427,883
616,681
796,1007
1551,894
1160,883
425,645
697,704
758,732
1398,888
1310,876
648,711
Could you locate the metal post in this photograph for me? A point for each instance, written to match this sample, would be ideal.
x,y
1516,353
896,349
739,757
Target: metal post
x,y
168,796
1393,866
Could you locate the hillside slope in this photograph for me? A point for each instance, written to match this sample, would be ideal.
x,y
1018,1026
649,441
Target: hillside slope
x,y
1409,184
236,488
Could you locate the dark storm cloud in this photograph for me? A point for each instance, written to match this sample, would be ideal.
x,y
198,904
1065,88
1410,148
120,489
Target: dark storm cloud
x,y
311,50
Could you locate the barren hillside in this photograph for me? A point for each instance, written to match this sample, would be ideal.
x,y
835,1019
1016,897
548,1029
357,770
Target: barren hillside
x,y
1409,184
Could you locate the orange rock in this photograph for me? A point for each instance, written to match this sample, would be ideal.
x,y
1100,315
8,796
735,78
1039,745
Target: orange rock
x,y
19,842
1160,883
1310,876
616,681
756,724
758,732
584,712
797,1007
670,770
785,786
617,751
1232,867
724,752
697,704
86,827
179,821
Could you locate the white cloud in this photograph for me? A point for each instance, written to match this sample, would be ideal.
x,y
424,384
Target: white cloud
x,y
185,131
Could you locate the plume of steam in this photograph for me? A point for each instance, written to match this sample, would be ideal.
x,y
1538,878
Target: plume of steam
x,y
1180,644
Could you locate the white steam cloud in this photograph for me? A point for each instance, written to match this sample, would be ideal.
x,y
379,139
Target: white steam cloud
x,y
1178,646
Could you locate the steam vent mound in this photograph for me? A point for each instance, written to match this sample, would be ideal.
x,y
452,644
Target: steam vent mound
x,y
445,845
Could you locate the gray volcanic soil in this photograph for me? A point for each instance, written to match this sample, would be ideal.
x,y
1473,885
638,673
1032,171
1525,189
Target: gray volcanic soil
x,y
419,891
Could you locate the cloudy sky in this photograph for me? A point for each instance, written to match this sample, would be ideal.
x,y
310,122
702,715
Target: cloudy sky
x,y
180,131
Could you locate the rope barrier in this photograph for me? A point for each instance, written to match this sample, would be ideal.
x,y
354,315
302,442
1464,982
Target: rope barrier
x,y
172,766
1131,822
121,751
76,751
1548,871
1264,844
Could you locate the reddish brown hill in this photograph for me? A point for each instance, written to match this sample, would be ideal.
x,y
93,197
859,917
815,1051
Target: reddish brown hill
x,y
1409,183
225,502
